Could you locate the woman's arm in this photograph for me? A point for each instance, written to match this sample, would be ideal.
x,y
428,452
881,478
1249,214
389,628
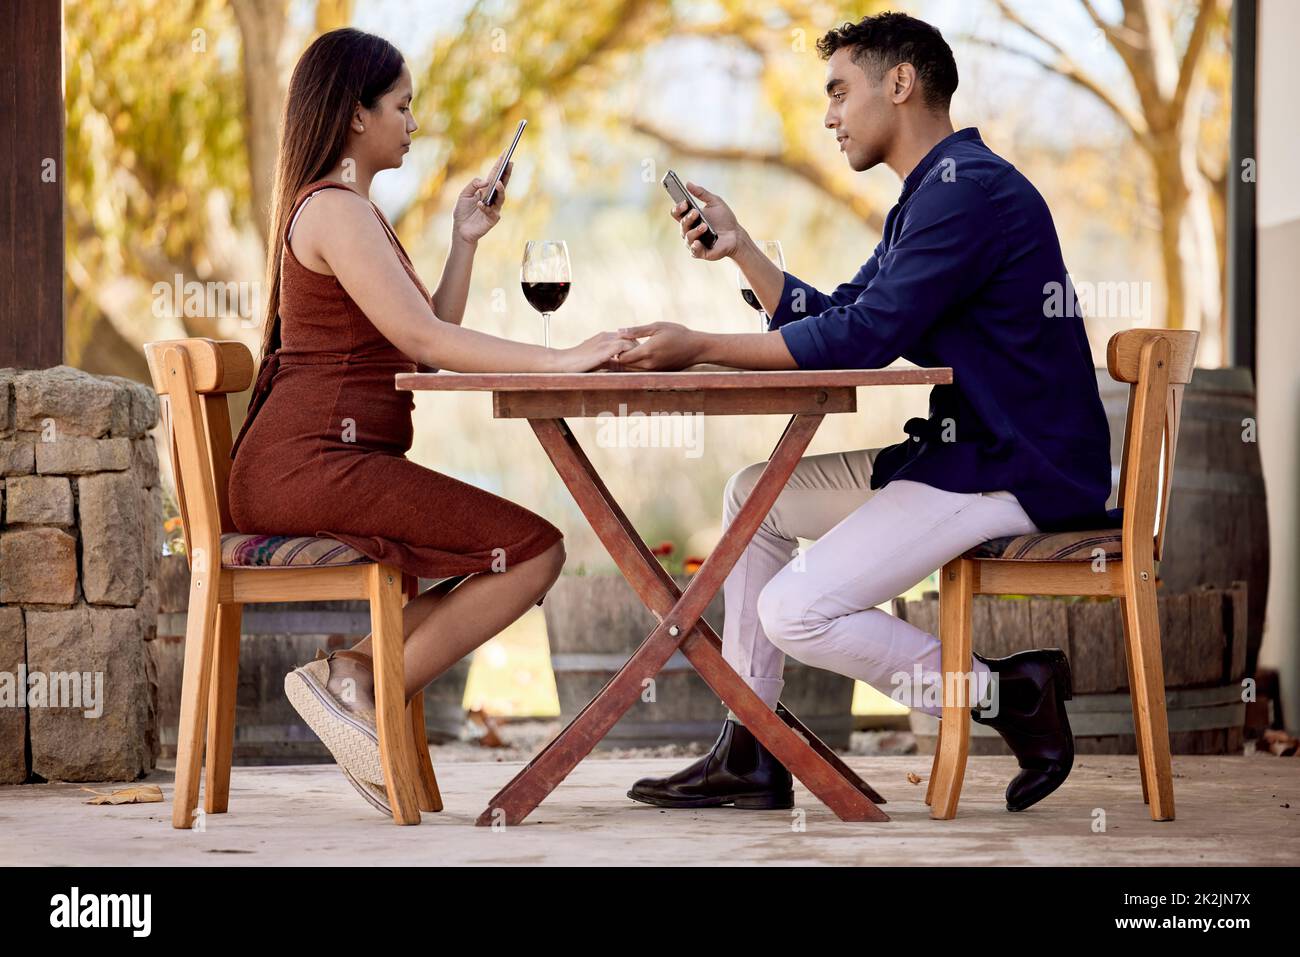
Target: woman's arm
x,y
470,222
342,229
453,291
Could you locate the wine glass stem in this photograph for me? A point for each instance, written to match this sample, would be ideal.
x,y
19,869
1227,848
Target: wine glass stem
x,y
546,330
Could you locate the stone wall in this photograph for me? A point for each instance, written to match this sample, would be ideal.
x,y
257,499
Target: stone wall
x,y
80,542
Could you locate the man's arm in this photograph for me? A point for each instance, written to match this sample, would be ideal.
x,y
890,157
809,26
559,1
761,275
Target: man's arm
x,y
783,295
948,246
946,249
798,299
670,345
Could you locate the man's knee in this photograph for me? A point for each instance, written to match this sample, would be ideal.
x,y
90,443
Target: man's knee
x,y
739,486
784,608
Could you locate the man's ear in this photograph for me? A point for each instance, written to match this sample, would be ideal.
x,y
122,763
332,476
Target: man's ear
x,y
902,82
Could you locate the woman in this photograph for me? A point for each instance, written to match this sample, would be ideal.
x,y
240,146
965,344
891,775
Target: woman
x,y
322,451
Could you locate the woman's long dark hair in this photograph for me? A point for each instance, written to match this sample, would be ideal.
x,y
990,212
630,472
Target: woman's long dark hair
x,y
340,69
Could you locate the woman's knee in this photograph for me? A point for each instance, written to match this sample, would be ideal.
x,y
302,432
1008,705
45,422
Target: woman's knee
x,y
545,565
553,560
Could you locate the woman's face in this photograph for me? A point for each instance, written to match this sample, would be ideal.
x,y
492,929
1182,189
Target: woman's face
x,y
388,127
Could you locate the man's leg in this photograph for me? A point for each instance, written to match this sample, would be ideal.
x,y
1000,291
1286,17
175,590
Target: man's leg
x,y
821,492
823,611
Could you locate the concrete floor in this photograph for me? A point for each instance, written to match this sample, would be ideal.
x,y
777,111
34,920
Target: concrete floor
x,y
1231,811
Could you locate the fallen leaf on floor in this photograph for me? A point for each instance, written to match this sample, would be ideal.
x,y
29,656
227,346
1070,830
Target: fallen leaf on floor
x,y
137,794
913,777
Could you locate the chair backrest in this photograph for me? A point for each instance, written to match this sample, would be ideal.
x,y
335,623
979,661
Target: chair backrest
x,y
192,378
1157,363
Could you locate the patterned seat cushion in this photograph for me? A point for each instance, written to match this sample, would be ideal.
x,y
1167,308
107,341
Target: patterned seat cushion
x,y
1051,546
279,551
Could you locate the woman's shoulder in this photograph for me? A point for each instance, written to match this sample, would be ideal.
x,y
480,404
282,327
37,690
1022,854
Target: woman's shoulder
x,y
327,193
333,210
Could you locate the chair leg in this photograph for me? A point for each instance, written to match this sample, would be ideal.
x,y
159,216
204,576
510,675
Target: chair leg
x,y
934,766
1137,718
395,745
956,596
1147,689
221,709
200,641
427,782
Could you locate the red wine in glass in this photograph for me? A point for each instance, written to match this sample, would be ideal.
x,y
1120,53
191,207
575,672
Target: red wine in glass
x,y
546,296
546,277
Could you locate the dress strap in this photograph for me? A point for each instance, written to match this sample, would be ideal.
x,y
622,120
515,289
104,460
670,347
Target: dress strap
x,y
306,193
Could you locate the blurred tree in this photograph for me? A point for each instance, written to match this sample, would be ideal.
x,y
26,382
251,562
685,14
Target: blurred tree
x,y
157,172
1177,57
782,38
261,32
509,59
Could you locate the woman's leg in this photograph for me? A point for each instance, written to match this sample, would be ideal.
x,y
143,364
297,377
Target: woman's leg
x,y
444,626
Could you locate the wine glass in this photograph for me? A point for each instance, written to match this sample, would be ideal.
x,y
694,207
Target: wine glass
x,y
772,250
545,276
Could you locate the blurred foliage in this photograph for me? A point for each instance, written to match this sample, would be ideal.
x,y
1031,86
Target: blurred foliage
x,y
157,175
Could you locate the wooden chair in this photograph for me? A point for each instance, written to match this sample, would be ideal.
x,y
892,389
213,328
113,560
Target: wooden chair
x,y
192,378
1158,364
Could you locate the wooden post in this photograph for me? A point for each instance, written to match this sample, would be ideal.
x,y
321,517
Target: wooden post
x,y
31,200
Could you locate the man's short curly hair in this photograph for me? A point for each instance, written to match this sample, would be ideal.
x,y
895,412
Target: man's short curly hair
x,y
885,40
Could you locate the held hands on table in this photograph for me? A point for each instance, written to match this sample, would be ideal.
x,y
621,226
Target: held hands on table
x,y
670,345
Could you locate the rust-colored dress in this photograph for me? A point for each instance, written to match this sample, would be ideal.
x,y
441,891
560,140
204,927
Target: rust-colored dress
x,y
322,452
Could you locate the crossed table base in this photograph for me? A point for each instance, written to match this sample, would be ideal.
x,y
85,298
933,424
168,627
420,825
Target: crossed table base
x,y
545,399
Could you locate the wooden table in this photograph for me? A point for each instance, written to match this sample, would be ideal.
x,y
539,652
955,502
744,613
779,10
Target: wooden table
x,y
545,399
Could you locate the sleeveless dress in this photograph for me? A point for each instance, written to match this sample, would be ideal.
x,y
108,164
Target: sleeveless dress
x,y
322,451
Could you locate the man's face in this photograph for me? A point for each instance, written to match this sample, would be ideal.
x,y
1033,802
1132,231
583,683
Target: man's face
x,y
859,110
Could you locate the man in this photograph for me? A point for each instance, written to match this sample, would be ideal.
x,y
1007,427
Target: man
x,y
965,275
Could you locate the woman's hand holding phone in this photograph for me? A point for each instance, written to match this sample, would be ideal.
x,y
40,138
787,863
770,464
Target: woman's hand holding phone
x,y
471,219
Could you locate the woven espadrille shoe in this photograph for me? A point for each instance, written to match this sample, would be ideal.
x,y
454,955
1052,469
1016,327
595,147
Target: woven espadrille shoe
x,y
348,730
376,796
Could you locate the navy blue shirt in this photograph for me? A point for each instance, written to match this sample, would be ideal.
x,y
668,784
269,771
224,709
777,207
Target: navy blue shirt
x,y
969,274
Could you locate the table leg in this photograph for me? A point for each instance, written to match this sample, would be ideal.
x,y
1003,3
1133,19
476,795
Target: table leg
x,y
528,788
657,590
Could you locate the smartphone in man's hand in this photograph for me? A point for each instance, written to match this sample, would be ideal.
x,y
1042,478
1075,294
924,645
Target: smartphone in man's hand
x,y
680,195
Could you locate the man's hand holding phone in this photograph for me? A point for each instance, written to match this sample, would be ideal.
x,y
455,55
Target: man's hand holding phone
x,y
719,216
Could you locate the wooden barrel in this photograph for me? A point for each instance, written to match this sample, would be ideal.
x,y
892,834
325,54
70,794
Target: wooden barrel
x,y
595,622
279,637
1217,530
1203,646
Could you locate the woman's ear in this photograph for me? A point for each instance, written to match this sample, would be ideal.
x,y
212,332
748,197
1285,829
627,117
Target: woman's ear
x,y
359,116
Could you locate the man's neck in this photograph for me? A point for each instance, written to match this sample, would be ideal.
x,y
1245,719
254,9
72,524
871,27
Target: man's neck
x,y
916,138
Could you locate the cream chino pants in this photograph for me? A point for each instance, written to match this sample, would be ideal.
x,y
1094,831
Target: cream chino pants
x,y
818,605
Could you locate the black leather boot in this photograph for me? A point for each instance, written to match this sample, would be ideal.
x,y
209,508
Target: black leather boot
x,y
1033,687
738,771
